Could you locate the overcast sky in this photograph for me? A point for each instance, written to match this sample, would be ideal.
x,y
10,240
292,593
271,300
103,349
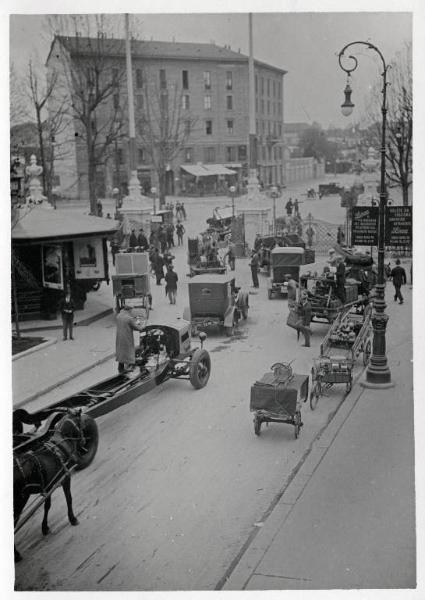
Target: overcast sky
x,y
304,44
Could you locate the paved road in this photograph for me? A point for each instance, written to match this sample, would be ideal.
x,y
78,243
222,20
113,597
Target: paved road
x,y
180,480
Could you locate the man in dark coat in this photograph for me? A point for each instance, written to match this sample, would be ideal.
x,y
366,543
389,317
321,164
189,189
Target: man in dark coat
x,y
158,266
142,241
255,261
398,275
67,307
125,354
304,314
340,279
133,239
171,284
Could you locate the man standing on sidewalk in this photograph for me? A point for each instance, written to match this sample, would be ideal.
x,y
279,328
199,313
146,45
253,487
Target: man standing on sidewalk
x,y
125,353
254,268
398,275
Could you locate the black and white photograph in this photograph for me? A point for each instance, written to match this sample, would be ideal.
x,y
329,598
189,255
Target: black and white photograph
x,y
209,330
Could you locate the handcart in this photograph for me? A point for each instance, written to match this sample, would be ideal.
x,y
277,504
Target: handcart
x,y
277,397
131,283
348,337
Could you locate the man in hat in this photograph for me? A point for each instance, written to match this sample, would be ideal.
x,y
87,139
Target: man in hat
x,y
398,275
125,353
304,314
255,260
171,279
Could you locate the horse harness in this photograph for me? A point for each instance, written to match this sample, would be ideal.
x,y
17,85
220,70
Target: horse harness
x,y
62,451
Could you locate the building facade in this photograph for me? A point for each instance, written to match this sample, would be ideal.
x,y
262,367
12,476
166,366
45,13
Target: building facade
x,y
199,92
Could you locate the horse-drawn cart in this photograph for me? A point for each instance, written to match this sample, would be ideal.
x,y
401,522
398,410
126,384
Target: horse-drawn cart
x,y
277,398
347,338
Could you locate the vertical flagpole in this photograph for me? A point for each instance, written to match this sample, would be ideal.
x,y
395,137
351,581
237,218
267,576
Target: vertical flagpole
x,y
252,178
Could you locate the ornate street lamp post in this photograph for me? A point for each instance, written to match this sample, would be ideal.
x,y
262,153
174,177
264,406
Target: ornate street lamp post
x,y
153,192
232,191
274,195
378,373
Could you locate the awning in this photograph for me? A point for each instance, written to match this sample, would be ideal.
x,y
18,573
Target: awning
x,y
201,170
40,223
220,170
196,170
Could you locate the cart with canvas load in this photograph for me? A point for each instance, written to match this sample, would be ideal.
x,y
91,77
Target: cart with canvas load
x,y
131,283
277,397
347,338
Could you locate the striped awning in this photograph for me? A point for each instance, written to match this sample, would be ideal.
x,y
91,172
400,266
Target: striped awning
x,y
201,170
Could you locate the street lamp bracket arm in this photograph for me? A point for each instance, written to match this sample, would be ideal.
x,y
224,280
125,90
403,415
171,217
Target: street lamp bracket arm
x,y
342,56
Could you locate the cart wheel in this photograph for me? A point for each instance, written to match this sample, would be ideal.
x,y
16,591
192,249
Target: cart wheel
x,y
367,350
200,368
297,424
349,385
269,294
87,450
316,392
230,330
257,425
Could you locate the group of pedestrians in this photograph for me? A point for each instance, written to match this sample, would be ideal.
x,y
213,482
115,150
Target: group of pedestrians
x,y
159,262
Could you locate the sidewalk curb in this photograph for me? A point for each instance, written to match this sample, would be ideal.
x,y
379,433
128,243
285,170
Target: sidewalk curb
x,y
82,323
48,342
258,542
51,387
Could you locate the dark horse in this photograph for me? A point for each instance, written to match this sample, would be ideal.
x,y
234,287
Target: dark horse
x,y
41,470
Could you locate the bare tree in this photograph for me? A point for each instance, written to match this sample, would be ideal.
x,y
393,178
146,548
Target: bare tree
x,y
18,111
92,82
399,122
164,127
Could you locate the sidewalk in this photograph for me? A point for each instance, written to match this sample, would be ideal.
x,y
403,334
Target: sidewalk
x,y
346,520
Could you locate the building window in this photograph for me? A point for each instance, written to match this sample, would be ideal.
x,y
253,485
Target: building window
x,y
242,153
268,87
187,127
229,102
209,155
141,155
139,78
139,101
207,102
262,106
120,156
208,127
116,99
256,83
185,80
230,126
162,80
207,80
256,104
185,102
229,80
268,107
188,155
262,85
56,181
230,154
279,129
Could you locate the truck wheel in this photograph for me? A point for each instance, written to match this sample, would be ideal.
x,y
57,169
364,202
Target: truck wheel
x,y
200,368
297,424
87,450
257,425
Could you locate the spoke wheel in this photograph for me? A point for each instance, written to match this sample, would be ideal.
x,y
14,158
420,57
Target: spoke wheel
x,y
297,425
349,385
315,395
87,450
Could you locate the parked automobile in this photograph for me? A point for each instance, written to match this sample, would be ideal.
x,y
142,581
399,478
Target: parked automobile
x,y
287,261
215,301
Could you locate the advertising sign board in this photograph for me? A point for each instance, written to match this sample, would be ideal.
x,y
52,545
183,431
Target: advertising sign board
x,y
364,226
398,226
